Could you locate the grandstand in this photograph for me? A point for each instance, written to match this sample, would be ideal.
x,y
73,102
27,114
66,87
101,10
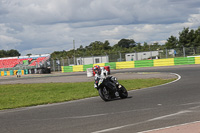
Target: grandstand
x,y
38,60
33,60
11,62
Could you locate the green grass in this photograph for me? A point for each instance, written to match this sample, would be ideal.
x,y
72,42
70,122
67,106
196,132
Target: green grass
x,y
22,95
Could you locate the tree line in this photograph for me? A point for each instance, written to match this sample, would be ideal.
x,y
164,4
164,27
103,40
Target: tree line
x,y
187,38
9,53
103,48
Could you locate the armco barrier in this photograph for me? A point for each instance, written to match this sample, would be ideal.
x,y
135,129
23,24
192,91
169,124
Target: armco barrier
x,y
137,64
164,62
26,71
5,73
8,73
118,65
111,64
62,69
127,64
100,64
144,63
2,73
197,60
184,61
78,68
85,67
15,72
11,72
67,69
22,72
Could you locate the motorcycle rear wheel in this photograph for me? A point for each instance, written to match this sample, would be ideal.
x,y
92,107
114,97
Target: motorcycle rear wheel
x,y
104,94
123,92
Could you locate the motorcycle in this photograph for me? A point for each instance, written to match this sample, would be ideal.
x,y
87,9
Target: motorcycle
x,y
109,89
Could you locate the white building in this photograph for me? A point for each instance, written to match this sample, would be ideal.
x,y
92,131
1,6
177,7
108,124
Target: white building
x,y
92,60
148,55
141,55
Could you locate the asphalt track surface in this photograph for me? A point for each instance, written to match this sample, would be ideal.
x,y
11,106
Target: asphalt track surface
x,y
145,109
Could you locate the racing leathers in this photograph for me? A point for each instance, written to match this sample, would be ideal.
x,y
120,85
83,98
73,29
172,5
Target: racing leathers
x,y
98,76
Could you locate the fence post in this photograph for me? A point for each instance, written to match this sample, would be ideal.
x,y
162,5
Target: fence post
x,y
120,56
183,51
83,58
92,59
68,61
106,57
136,57
53,66
58,64
63,61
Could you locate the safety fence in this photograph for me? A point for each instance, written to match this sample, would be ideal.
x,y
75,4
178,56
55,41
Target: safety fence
x,y
113,65
137,64
120,56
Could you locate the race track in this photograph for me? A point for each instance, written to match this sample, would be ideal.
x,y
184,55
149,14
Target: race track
x,y
145,109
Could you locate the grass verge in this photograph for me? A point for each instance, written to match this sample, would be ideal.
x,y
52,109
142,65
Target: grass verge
x,y
22,95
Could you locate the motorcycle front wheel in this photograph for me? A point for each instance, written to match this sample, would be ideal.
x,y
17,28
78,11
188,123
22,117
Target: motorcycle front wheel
x,y
123,92
104,94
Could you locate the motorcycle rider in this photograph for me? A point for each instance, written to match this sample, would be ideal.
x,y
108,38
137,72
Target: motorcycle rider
x,y
99,74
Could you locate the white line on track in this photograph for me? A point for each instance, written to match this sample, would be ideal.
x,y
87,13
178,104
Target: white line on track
x,y
116,128
169,127
179,77
150,120
154,119
170,115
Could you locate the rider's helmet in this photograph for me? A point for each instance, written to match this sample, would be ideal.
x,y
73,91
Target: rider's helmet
x,y
97,69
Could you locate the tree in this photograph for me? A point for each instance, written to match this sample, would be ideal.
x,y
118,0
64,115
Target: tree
x,y
138,46
2,53
197,37
192,37
145,47
9,53
12,53
171,43
126,43
28,54
184,38
187,38
95,47
106,45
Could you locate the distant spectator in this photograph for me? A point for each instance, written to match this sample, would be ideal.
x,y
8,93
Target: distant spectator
x,y
18,74
174,53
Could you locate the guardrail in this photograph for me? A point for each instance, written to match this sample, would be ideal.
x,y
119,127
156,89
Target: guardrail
x,y
119,65
14,72
137,64
25,71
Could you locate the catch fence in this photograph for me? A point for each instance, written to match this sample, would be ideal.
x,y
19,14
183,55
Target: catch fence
x,y
120,57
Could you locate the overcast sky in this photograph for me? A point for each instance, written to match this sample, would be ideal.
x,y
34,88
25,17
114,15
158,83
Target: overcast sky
x,y
45,26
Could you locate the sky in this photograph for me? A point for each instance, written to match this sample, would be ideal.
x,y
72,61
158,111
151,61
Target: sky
x,y
45,26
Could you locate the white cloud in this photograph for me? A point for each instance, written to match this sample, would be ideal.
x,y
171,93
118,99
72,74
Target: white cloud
x,y
8,43
114,31
34,26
